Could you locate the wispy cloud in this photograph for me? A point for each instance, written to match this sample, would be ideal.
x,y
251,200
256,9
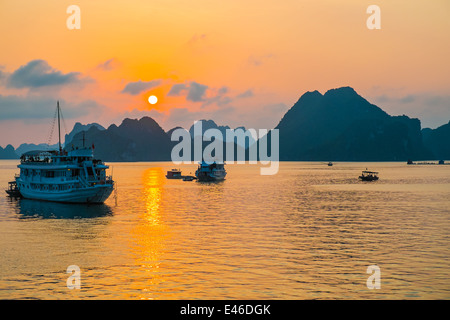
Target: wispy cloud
x,y
196,92
37,74
108,65
258,60
246,94
134,88
193,91
197,38
33,107
177,89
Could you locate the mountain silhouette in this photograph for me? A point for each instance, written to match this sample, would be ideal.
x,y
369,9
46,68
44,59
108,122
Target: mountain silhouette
x,y
342,125
8,152
133,140
438,141
78,127
339,125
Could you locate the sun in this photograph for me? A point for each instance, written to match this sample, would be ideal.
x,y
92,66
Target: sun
x,y
152,99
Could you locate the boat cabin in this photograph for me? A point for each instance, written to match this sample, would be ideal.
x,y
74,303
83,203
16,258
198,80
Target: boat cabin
x,y
174,174
369,176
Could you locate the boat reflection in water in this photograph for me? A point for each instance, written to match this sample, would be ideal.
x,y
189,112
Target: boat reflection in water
x,y
55,210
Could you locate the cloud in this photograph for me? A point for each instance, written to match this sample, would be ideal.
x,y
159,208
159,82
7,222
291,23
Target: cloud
x,y
38,73
246,94
196,92
223,90
197,38
259,60
134,88
218,97
177,89
108,65
32,107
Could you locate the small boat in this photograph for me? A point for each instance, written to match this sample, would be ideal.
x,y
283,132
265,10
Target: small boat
x,y
369,176
174,174
188,178
330,164
13,190
210,171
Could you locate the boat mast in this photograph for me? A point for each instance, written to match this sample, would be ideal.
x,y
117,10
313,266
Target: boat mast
x,y
59,129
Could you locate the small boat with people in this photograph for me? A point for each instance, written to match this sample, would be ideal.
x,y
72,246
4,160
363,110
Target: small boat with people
x,y
13,190
210,171
369,176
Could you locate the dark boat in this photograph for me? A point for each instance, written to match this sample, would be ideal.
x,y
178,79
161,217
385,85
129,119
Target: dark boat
x,y
210,171
13,190
369,176
174,174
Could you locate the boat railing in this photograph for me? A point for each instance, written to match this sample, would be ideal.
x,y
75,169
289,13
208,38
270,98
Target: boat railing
x,y
109,180
83,181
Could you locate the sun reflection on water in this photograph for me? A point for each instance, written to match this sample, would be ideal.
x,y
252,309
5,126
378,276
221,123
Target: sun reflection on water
x,y
150,233
153,181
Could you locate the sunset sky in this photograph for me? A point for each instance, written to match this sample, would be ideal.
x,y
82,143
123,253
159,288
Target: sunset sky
x,y
239,63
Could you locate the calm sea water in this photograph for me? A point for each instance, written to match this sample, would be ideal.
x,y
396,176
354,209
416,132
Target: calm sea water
x,y
309,232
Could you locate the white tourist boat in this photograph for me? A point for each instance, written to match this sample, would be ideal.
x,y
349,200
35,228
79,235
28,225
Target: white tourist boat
x,y
210,171
64,176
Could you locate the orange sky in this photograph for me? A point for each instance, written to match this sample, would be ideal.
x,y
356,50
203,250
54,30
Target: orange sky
x,y
240,62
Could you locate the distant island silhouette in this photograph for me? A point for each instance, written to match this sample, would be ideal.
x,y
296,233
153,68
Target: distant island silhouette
x,y
339,125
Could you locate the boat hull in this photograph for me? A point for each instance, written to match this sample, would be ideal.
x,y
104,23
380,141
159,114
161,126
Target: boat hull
x,y
95,194
13,193
368,178
209,177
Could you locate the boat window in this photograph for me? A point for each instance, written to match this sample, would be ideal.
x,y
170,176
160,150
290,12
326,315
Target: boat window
x,y
50,174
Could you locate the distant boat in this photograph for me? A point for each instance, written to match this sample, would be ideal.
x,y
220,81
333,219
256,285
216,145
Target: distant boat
x,y
62,176
369,176
174,174
188,178
13,190
330,164
210,171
